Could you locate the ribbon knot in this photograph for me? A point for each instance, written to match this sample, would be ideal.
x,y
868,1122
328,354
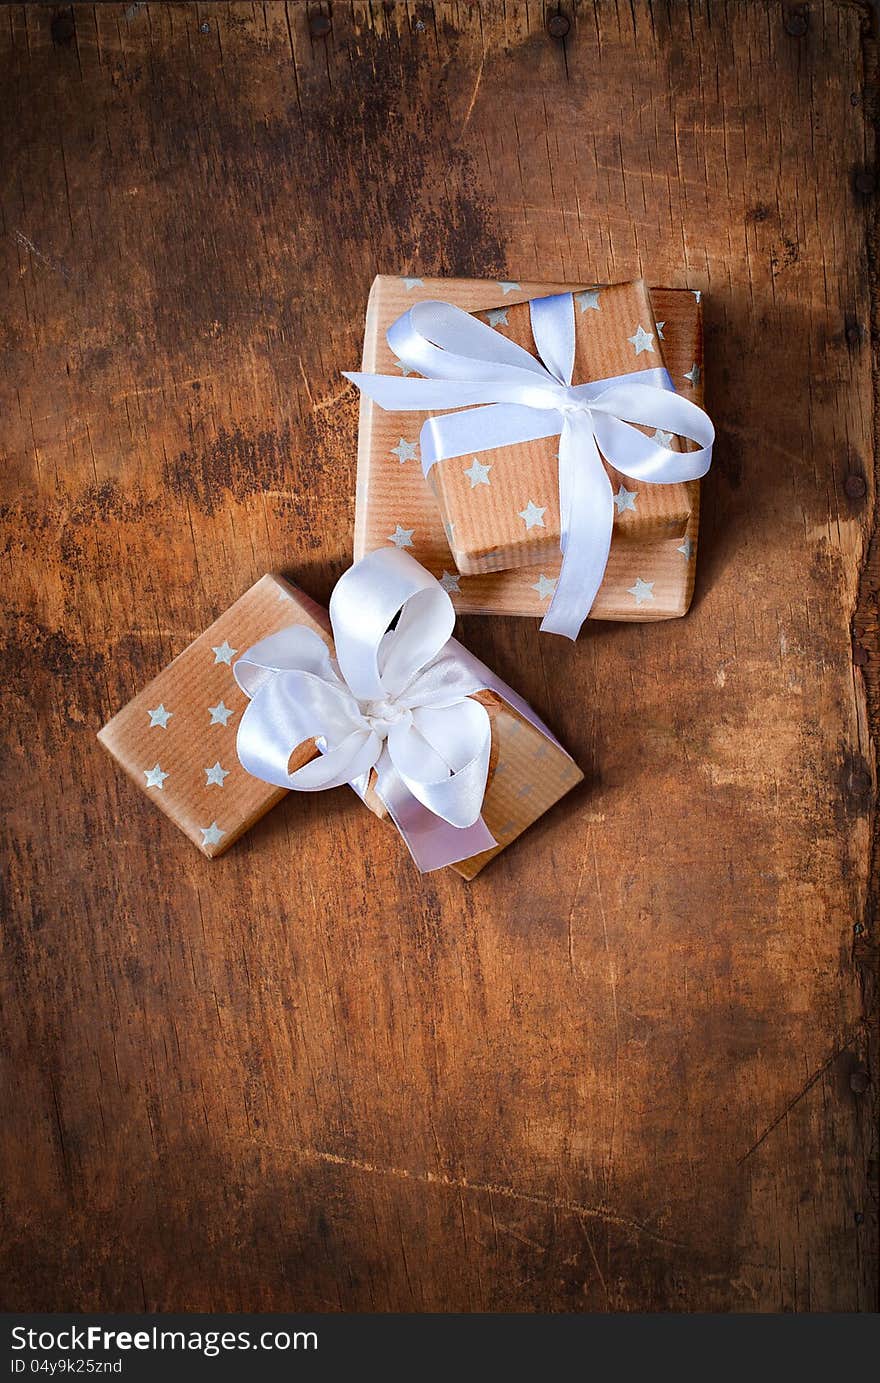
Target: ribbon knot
x,y
382,716
507,396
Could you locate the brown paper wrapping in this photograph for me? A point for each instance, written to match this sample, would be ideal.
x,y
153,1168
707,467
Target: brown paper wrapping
x,y
176,739
651,564
196,737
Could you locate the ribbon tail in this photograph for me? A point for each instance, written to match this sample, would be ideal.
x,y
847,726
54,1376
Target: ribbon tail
x,y
587,514
432,842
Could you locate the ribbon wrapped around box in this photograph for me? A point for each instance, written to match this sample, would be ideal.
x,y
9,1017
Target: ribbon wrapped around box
x,y
500,505
504,396
425,733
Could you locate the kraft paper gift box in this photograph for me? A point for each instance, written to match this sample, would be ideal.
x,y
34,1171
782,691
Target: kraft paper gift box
x,y
176,740
650,571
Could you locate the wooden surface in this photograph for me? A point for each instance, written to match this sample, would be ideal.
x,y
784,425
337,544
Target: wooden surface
x,y
628,1067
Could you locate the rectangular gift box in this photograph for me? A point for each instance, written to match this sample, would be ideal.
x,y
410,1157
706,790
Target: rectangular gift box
x,y
651,564
176,739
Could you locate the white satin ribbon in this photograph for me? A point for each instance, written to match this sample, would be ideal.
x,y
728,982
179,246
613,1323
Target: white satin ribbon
x,y
509,396
394,700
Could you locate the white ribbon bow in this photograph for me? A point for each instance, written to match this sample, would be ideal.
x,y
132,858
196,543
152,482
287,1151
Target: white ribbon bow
x,y
465,362
394,700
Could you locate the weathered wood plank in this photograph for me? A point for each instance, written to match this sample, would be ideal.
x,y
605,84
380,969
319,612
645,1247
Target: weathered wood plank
x,y
623,1069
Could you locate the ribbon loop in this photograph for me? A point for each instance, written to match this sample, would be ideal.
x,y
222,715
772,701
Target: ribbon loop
x,y
509,396
365,602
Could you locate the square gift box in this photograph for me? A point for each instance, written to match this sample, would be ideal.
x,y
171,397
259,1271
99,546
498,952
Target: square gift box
x,y
176,740
650,568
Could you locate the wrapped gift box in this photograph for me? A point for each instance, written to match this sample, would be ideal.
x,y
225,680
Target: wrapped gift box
x,y
651,565
177,739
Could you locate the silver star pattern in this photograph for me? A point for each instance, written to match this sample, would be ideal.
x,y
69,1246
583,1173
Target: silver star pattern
x,y
660,326
478,473
642,340
449,582
545,586
413,283
533,516
497,317
404,369
219,714
693,374
216,775
211,835
697,293
625,499
223,653
155,777
508,286
160,717
686,549
401,537
641,591
588,300
404,451
664,438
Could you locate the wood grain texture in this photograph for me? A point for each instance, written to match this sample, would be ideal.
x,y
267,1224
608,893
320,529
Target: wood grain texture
x,y
626,1068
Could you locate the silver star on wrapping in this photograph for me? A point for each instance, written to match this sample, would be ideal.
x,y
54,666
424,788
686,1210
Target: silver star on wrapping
x,y
449,582
693,374
533,516
404,451
216,775
401,537
219,714
404,369
588,300
664,438
211,835
525,790
508,286
413,283
223,653
160,717
625,499
497,317
155,777
641,591
686,549
478,473
697,293
660,326
545,586
642,340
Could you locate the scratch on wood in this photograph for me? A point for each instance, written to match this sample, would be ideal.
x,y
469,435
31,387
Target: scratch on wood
x,y
804,1090
55,265
613,983
469,112
601,1213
